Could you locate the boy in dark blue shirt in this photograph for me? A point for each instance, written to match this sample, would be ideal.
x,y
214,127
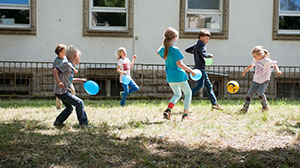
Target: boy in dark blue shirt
x,y
199,51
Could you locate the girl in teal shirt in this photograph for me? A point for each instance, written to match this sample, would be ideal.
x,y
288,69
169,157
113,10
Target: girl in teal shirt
x,y
176,75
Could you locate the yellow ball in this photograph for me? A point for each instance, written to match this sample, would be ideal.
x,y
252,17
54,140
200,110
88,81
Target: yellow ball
x,y
233,87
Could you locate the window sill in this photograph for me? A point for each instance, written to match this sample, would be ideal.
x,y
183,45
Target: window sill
x,y
214,35
15,30
108,33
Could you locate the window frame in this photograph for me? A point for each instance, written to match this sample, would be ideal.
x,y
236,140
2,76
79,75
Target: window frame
x,y
25,29
283,34
89,30
224,11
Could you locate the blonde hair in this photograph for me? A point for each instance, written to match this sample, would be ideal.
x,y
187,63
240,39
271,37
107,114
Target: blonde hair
x,y
119,52
260,51
71,51
59,48
170,34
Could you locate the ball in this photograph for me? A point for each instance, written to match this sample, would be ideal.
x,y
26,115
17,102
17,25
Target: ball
x,y
233,86
91,87
197,76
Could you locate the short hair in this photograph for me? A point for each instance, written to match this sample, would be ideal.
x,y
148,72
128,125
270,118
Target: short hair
x,y
71,51
59,48
204,32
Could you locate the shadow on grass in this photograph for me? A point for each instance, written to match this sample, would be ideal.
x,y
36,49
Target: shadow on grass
x,y
23,144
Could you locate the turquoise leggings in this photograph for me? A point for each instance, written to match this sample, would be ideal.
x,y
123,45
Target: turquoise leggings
x,y
185,87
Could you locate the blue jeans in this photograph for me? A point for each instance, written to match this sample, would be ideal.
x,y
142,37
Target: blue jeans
x,y
260,88
208,86
185,87
68,100
133,88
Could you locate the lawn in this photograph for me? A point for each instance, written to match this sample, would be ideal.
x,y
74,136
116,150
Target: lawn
x,y
137,136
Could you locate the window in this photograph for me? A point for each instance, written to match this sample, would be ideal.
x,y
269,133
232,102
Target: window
x,y
108,18
197,14
17,16
286,20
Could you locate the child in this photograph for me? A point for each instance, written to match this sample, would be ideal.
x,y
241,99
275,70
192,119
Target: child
x,y
60,51
199,51
63,75
123,68
176,75
261,78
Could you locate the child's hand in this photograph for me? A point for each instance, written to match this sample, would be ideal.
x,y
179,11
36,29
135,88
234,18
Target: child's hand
x,y
123,73
83,79
61,85
193,73
279,73
243,73
75,70
134,56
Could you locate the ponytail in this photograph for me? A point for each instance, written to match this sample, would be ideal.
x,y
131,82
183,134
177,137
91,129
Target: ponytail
x,y
170,34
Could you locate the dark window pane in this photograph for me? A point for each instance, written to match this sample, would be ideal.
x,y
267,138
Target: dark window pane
x,y
109,19
290,5
289,22
19,2
203,4
109,3
10,16
288,90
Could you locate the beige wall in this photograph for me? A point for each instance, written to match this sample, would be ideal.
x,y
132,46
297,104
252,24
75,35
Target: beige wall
x,y
250,23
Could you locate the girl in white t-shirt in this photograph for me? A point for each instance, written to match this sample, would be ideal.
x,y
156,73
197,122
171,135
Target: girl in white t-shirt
x,y
261,78
123,68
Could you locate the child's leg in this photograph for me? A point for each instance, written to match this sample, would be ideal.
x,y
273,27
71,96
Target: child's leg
x,y
69,100
72,88
65,113
261,90
176,91
125,93
58,103
133,87
253,89
185,87
210,91
200,83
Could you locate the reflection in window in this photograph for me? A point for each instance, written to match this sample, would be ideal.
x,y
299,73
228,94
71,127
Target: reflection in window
x,y
289,16
204,14
109,14
14,13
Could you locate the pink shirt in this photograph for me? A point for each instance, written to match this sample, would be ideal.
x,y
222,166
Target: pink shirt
x,y
262,69
125,66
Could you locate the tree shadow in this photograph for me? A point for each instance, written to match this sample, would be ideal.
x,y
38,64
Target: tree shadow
x,y
28,143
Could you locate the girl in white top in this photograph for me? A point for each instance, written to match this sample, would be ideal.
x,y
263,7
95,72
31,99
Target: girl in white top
x,y
123,68
261,78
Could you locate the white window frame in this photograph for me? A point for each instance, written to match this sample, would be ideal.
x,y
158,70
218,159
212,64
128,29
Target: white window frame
x,y
17,7
287,13
204,12
108,10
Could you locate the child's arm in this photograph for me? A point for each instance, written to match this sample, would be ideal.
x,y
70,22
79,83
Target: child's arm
x,y
190,49
277,70
56,77
133,60
247,69
180,64
120,71
78,80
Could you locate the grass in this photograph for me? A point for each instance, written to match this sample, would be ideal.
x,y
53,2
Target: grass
x,y
137,136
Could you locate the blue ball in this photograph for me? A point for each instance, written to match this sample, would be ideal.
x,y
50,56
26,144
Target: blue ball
x,y
197,76
126,79
91,87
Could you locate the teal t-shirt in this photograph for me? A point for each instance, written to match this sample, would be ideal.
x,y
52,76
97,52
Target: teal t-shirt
x,y
174,73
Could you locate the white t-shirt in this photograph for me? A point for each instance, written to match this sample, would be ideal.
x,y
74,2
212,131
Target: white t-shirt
x,y
125,66
263,69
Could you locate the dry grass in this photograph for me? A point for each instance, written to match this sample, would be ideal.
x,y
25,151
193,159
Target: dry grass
x,y
137,136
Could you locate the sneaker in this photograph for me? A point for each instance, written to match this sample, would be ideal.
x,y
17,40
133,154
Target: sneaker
x,y
264,109
85,126
185,116
58,125
167,114
243,111
217,107
58,107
